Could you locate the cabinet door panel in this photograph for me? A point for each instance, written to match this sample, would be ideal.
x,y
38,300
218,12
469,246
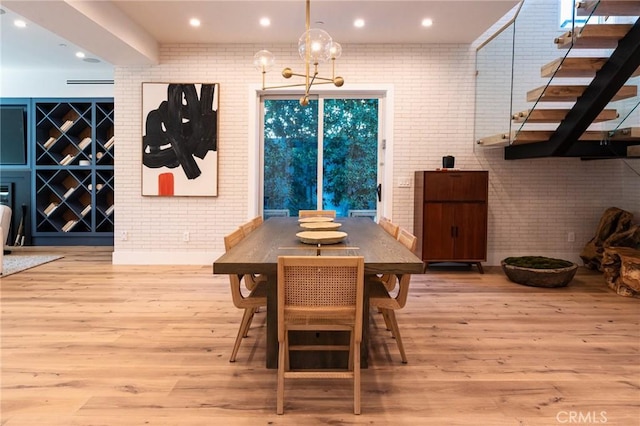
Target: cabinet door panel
x,y
438,233
470,232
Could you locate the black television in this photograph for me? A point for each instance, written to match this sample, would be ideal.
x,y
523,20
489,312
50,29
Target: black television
x,y
13,135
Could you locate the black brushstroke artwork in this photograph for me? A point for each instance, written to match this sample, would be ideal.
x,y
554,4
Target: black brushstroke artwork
x,y
178,131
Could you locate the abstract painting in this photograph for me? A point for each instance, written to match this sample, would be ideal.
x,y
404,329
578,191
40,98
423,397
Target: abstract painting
x,y
180,139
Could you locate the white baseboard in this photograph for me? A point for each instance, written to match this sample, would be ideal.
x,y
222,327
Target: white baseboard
x,y
124,257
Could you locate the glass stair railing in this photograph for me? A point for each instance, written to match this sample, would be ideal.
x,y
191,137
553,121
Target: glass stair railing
x,y
544,113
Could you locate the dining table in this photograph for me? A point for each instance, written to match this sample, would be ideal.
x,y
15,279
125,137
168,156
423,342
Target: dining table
x,y
258,253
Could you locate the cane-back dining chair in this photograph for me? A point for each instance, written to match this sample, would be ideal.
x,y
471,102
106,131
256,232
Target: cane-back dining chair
x,y
250,303
319,293
319,213
380,295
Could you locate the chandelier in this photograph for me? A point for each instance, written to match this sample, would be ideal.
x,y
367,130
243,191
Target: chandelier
x,y
314,46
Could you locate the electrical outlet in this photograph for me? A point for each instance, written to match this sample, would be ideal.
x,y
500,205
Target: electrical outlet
x,y
185,236
124,236
571,237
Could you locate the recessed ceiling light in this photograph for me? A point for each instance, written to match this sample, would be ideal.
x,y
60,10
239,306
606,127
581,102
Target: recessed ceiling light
x,y
80,55
427,22
19,23
358,23
194,22
265,22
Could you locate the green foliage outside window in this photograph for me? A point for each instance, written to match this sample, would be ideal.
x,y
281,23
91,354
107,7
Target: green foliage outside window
x,y
350,154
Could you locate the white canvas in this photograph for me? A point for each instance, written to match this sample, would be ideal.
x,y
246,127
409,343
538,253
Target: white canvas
x,y
178,121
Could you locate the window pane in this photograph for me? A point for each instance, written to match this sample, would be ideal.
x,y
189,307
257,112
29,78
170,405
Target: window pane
x,y
290,156
350,155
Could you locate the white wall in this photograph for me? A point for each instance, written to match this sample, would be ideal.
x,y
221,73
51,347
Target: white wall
x,y
532,203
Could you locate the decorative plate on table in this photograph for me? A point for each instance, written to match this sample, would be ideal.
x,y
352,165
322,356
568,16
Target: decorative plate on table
x,y
321,237
310,219
320,226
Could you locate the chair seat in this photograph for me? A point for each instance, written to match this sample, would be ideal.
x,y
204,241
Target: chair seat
x,y
258,295
379,297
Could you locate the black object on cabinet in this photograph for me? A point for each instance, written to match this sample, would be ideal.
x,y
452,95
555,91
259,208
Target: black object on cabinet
x,y
450,216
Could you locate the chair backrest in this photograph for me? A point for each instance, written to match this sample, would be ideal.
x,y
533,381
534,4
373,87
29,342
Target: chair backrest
x,y
330,287
410,241
232,239
257,221
390,227
247,228
322,213
407,239
5,223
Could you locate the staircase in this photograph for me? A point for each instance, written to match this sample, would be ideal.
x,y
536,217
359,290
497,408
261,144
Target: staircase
x,y
567,132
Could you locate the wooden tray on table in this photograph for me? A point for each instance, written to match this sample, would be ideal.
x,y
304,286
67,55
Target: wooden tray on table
x,y
321,237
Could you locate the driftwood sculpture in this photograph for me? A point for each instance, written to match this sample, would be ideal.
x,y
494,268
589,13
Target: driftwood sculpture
x,y
621,267
616,229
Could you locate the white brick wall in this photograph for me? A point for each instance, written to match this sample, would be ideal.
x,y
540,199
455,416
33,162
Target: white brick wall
x,y
532,203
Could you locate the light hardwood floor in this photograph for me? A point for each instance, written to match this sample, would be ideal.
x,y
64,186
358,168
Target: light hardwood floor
x,y
85,342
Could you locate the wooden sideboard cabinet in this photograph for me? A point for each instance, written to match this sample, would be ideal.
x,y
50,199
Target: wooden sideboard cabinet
x,y
450,216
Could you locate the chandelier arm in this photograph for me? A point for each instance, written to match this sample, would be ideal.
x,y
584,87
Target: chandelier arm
x,y
310,78
286,85
329,80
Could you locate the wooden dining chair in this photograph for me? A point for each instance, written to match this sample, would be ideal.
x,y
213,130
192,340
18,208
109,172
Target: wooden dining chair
x,y
257,221
249,226
320,213
390,227
320,293
380,296
410,241
250,303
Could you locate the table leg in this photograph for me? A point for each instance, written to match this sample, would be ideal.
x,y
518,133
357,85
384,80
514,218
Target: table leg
x,y
272,321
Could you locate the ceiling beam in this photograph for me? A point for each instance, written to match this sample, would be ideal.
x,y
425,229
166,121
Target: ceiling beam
x,y
99,27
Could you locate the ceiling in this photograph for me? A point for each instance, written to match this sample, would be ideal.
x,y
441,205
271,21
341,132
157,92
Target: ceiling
x,y
120,32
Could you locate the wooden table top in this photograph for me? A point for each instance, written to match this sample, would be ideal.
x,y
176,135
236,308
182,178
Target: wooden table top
x,y
258,252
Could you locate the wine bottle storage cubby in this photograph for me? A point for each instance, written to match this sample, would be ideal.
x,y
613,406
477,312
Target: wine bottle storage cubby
x,y
74,152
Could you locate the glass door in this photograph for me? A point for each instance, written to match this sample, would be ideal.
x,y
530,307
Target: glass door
x,y
321,156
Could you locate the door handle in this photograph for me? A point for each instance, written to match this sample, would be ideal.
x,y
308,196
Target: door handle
x,y
379,191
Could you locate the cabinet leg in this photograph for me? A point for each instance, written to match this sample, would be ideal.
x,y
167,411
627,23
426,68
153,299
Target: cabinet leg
x,y
479,265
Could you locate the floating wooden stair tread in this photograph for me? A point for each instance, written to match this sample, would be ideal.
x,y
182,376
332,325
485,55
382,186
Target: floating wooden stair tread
x,y
575,67
501,139
609,8
569,93
601,36
557,115
629,134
